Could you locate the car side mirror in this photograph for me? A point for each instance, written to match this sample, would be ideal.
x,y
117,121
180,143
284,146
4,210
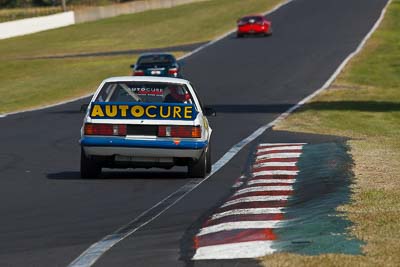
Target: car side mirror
x,y
133,66
209,112
84,108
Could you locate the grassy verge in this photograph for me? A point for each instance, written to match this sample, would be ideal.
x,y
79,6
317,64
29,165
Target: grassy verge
x,y
364,105
27,83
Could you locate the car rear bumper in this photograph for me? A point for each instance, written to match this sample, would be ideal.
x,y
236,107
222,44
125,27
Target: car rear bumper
x,y
253,30
154,153
109,146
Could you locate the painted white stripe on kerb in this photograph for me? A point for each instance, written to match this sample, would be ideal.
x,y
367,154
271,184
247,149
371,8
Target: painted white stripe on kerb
x,y
274,164
260,150
271,181
279,144
239,250
279,156
82,260
254,211
254,199
241,225
275,172
264,188
238,184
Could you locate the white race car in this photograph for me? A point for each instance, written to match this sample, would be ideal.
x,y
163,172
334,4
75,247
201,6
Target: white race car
x,y
144,122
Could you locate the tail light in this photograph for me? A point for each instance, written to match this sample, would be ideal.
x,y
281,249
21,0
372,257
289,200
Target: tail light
x,y
138,73
179,131
173,71
105,129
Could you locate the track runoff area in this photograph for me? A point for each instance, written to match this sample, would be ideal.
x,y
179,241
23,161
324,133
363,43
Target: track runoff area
x,y
245,225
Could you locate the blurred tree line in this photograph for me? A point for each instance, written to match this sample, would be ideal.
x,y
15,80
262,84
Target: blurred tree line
x,y
38,3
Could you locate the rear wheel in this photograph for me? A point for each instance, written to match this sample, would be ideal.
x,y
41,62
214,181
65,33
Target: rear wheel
x,y
89,167
208,156
199,168
239,35
269,33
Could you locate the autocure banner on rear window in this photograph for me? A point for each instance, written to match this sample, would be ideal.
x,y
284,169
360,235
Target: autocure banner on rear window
x,y
146,111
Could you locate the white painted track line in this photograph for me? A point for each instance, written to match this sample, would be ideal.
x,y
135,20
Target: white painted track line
x,y
251,249
47,106
241,225
254,199
253,211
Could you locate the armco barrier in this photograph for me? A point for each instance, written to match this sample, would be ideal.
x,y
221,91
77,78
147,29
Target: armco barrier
x,y
38,24
32,25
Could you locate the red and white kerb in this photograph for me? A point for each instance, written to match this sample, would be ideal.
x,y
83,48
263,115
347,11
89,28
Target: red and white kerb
x,y
243,226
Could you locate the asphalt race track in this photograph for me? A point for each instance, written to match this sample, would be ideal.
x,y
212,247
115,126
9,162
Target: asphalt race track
x,y
49,216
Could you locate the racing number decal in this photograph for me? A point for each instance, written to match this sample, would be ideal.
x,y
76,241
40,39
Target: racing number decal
x,y
101,110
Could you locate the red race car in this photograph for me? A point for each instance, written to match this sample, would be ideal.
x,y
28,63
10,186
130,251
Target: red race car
x,y
253,24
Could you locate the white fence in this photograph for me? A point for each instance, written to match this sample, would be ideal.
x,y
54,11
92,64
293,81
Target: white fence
x,y
38,24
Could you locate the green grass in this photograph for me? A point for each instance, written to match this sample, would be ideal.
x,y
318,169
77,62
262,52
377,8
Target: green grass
x,y
364,105
382,68
27,82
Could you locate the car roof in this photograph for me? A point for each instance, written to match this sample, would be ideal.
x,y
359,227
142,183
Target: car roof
x,y
253,15
156,54
146,79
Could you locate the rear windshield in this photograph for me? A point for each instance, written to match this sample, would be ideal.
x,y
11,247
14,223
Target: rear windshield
x,y
156,59
146,92
251,19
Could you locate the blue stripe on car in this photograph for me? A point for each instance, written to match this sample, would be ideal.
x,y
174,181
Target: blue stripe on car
x,y
122,142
